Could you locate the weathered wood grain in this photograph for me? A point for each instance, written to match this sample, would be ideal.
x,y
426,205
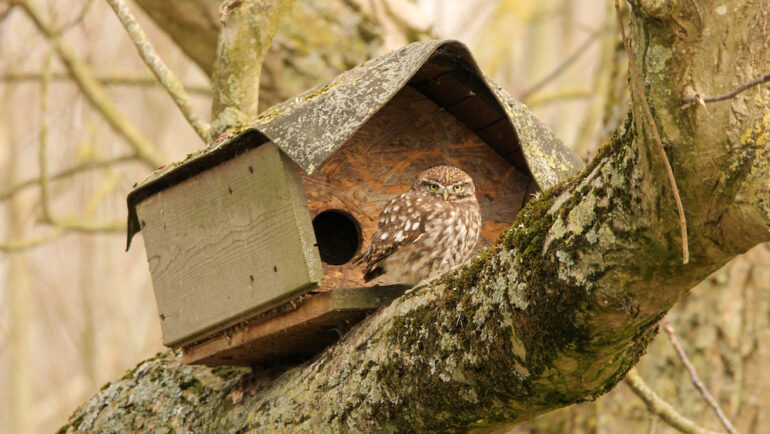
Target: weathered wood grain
x,y
228,242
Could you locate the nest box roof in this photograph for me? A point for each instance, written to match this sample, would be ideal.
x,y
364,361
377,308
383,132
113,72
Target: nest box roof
x,y
309,128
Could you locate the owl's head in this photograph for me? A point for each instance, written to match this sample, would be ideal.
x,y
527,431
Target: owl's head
x,y
447,183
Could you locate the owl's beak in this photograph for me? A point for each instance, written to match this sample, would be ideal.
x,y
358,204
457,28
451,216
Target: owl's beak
x,y
445,194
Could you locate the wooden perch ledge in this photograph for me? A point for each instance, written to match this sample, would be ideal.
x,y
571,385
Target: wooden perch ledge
x,y
561,306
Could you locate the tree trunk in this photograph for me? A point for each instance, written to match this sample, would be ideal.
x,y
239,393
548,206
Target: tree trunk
x,y
563,304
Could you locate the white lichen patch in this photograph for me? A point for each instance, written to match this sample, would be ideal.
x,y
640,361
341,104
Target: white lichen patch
x,y
567,272
592,236
565,258
582,215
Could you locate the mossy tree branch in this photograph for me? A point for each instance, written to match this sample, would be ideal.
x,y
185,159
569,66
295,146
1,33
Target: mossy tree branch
x,y
248,27
563,304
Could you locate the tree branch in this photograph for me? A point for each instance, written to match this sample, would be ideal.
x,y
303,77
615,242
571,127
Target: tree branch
x,y
660,407
15,246
702,99
78,168
248,27
93,91
560,68
165,76
559,308
695,379
107,79
634,72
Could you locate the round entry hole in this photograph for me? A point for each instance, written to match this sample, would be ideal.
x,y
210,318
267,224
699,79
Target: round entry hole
x,y
338,235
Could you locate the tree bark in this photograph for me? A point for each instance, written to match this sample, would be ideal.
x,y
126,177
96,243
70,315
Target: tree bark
x,y
563,304
248,27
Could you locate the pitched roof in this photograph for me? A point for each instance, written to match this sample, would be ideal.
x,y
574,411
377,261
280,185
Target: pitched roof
x,y
309,128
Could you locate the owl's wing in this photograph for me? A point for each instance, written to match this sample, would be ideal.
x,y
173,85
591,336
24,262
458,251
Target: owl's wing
x,y
401,223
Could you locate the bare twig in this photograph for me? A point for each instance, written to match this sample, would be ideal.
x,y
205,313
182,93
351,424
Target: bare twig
x,y
643,97
165,76
107,79
91,227
586,138
93,91
702,99
695,379
562,94
660,407
42,158
78,18
88,165
74,224
13,246
560,68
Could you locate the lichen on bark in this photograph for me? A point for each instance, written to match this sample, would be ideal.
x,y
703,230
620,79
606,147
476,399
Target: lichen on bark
x,y
561,306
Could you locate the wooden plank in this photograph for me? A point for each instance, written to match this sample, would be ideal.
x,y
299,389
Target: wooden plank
x,y
230,241
316,323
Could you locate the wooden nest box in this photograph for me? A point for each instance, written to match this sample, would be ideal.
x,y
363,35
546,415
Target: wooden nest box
x,y
250,241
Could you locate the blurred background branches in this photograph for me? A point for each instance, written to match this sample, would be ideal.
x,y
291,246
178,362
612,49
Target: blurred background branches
x,y
83,118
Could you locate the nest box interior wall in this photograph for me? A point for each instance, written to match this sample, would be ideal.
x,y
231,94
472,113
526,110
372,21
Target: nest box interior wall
x,y
382,160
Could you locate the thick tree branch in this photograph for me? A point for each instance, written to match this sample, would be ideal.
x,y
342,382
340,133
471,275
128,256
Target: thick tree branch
x,y
562,305
642,98
248,27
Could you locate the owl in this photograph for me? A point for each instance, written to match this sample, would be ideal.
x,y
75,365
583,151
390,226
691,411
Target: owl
x,y
427,231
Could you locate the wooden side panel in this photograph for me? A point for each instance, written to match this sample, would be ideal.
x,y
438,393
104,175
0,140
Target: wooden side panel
x,y
228,242
383,159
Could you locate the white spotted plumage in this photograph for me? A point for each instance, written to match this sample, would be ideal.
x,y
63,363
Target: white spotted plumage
x,y
427,231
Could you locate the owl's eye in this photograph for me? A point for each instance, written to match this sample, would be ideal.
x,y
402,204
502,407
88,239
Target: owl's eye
x,y
458,187
433,187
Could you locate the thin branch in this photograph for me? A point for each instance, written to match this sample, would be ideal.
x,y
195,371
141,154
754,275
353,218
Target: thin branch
x,y
42,158
94,91
60,228
660,407
566,63
702,100
78,18
643,97
14,246
695,379
88,165
557,95
91,227
165,76
107,79
73,224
